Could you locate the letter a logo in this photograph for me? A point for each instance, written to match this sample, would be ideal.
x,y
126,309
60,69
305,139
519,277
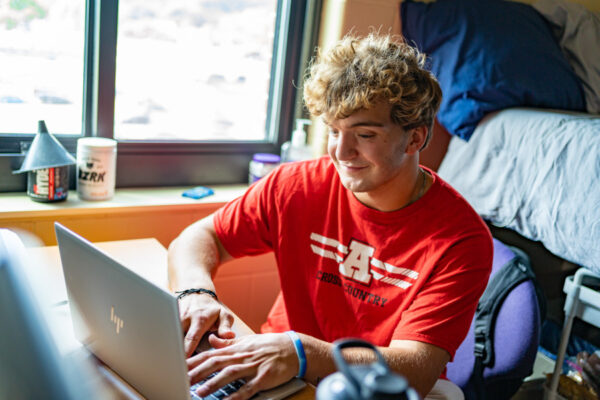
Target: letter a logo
x,y
356,264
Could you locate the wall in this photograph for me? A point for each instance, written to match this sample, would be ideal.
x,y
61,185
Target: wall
x,y
360,17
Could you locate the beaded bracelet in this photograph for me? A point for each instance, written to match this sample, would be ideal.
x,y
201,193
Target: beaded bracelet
x,y
184,293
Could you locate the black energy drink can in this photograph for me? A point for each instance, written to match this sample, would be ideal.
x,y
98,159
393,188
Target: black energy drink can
x,y
48,184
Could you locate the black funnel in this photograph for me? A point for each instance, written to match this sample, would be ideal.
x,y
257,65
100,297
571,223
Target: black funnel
x,y
45,152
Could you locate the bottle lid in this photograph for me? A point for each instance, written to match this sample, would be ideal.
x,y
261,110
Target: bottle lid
x,y
299,134
98,143
266,158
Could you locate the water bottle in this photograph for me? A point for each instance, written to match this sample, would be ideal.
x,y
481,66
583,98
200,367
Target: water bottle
x,y
365,381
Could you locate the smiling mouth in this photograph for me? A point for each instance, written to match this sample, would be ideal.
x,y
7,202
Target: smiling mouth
x,y
352,168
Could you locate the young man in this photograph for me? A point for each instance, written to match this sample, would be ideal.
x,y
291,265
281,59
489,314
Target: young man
x,y
368,243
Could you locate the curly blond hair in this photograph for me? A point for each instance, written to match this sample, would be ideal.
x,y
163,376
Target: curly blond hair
x,y
360,72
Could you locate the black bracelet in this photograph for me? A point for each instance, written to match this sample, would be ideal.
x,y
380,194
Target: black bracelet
x,y
184,293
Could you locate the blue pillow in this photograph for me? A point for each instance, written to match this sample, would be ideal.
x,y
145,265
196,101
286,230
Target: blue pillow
x,y
488,55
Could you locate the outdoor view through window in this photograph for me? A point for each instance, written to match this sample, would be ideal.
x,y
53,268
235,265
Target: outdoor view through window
x,y
195,70
41,58
189,70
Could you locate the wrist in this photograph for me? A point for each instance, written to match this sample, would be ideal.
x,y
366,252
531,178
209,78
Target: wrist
x,y
299,353
183,293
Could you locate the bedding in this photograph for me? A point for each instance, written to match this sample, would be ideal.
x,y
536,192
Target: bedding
x,y
537,172
489,55
577,30
516,81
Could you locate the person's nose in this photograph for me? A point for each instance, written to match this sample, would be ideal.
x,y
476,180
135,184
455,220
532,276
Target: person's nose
x,y
345,147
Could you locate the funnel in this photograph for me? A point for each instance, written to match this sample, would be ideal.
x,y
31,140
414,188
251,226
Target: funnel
x,y
45,152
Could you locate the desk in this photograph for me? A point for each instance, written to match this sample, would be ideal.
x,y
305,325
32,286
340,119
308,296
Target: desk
x,y
146,257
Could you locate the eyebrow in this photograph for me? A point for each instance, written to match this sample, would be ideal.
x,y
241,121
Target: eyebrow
x,y
366,123
363,123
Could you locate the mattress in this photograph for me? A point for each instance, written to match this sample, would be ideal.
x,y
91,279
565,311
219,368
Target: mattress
x,y
536,172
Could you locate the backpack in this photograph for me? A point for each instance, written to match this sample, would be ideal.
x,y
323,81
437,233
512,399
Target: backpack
x,y
511,274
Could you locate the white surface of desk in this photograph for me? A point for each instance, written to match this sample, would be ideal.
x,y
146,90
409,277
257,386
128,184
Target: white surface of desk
x,y
146,257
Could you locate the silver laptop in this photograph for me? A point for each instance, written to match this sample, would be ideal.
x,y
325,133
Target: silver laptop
x,y
129,323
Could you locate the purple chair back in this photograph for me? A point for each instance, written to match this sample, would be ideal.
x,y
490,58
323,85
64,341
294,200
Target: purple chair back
x,y
516,339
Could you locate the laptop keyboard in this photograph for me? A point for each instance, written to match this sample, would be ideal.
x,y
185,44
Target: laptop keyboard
x,y
219,394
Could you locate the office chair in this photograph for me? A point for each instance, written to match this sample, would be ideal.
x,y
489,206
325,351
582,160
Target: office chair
x,y
515,338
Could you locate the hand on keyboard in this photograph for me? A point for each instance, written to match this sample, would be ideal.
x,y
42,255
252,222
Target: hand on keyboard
x,y
223,391
200,313
219,394
260,361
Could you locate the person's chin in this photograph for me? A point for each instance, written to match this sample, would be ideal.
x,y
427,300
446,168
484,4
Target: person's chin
x,y
353,185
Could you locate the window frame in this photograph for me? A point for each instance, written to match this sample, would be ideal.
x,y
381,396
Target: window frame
x,y
160,163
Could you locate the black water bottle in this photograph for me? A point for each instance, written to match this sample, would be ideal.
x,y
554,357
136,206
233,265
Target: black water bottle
x,y
365,381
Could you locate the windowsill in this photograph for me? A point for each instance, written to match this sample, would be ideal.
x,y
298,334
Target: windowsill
x,y
19,205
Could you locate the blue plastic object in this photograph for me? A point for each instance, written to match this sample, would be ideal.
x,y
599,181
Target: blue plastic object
x,y
198,192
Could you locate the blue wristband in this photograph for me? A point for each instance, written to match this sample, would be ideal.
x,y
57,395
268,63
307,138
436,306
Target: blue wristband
x,y
299,352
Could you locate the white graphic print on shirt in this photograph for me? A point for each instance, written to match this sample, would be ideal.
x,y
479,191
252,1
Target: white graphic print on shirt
x,y
356,262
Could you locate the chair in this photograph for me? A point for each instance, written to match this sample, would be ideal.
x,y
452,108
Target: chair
x,y
515,341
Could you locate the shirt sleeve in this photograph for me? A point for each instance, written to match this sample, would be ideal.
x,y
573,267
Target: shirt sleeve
x,y
245,225
442,312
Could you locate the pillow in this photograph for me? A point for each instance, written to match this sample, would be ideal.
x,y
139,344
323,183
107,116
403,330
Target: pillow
x,y
489,55
578,31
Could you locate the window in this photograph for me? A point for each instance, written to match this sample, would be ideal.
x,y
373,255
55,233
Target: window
x,y
189,89
41,53
209,64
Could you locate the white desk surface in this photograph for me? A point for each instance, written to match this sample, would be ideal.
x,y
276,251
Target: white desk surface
x,y
146,257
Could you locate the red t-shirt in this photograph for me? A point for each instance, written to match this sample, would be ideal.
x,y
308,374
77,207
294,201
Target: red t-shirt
x,y
347,270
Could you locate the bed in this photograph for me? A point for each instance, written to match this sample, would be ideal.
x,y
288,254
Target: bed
x,y
545,186
521,87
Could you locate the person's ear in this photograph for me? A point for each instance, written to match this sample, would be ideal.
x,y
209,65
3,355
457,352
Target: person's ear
x,y
416,139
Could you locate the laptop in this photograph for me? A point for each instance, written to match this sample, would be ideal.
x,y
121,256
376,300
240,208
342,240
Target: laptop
x,y
31,364
129,323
